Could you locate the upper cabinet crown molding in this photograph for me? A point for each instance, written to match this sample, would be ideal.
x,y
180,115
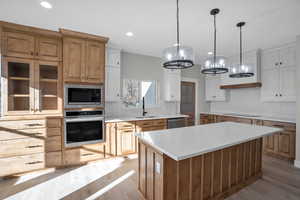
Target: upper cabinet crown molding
x,y
279,74
251,58
70,33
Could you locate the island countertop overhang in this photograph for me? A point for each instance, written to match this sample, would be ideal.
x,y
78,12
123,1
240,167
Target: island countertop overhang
x,y
187,142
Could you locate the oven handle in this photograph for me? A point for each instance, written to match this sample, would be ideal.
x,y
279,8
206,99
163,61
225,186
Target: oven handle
x,y
84,119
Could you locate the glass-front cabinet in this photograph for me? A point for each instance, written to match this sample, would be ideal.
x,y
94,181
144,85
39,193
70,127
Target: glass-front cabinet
x,y
31,87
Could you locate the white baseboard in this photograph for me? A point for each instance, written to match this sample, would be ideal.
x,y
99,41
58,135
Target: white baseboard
x,y
297,163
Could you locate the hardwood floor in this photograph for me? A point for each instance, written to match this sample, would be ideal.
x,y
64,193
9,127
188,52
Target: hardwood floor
x,y
116,179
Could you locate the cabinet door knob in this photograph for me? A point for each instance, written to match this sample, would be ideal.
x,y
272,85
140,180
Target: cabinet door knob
x,y
276,95
280,95
280,63
276,64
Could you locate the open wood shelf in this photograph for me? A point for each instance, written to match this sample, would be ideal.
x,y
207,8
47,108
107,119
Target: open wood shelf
x,y
49,96
244,85
19,78
49,80
19,95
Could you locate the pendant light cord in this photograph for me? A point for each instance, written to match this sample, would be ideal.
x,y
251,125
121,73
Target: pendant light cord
x,y
215,41
241,47
177,17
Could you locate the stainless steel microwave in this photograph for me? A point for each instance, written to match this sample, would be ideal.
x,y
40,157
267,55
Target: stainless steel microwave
x,y
83,96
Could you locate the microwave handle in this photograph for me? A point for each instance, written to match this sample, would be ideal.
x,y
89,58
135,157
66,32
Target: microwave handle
x,y
85,119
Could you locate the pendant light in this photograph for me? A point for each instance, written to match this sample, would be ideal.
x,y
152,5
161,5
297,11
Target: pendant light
x,y
215,64
178,57
241,70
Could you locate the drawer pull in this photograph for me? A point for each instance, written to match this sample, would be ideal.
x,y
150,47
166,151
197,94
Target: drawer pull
x,y
34,146
34,125
87,154
33,163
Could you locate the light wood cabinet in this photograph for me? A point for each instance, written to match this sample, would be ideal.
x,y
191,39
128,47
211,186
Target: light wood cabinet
x,y
73,59
31,87
281,144
83,57
207,119
31,45
20,45
95,62
30,144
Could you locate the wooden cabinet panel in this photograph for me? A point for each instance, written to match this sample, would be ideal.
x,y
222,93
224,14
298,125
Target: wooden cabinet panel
x,y
49,48
7,134
21,164
207,119
53,144
53,123
19,147
54,159
95,62
83,155
74,59
111,142
19,45
126,125
126,142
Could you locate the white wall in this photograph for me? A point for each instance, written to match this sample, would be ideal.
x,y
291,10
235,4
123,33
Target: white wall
x,y
248,101
141,67
297,161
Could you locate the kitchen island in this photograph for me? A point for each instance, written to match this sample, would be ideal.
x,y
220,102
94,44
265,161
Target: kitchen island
x,y
200,162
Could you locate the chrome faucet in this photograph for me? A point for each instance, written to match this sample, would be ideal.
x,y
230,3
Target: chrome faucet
x,y
144,112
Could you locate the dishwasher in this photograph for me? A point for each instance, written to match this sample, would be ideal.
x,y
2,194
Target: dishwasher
x,y
176,123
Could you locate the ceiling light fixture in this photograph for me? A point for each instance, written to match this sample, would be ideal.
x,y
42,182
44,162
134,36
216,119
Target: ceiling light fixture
x,y
214,64
46,4
129,34
177,56
241,70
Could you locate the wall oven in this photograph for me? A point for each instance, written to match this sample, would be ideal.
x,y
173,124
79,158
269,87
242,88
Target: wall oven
x,y
83,96
84,127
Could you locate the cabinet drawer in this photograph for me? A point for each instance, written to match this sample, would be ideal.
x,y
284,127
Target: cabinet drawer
x,y
284,125
54,159
243,120
53,123
23,124
146,123
53,144
126,125
157,128
6,134
20,164
81,155
21,147
160,122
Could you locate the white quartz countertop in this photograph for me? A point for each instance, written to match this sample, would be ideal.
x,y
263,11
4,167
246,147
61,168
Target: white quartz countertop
x,y
187,142
124,119
254,116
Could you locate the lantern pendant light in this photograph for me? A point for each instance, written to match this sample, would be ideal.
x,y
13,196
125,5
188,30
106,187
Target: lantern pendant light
x,y
178,57
241,70
215,64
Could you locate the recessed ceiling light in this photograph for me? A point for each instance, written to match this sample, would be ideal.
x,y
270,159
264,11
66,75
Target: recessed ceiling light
x,y
210,53
46,4
129,34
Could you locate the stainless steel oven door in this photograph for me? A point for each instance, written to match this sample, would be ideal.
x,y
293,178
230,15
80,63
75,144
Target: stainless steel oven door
x,y
82,96
84,130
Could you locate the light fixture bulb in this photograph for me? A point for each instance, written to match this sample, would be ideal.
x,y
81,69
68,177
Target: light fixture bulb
x,y
129,34
46,4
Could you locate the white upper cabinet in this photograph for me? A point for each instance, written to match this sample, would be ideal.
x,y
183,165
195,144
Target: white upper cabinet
x,y
113,74
172,82
252,58
212,89
279,74
113,57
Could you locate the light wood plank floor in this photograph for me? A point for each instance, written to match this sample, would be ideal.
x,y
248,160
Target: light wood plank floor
x,y
116,179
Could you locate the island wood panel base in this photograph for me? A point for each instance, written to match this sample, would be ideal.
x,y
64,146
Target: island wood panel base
x,y
214,175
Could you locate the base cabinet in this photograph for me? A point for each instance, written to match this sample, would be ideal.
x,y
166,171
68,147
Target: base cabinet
x,y
28,145
120,139
280,145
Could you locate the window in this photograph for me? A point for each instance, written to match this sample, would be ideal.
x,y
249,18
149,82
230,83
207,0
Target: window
x,y
135,90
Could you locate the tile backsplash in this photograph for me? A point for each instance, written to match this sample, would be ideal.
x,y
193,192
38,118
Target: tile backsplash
x,y
117,109
248,101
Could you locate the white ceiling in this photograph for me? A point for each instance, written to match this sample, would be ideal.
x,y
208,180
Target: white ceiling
x,y
269,22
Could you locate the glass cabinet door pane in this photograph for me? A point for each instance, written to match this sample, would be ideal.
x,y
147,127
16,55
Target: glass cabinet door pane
x,y
18,86
48,86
